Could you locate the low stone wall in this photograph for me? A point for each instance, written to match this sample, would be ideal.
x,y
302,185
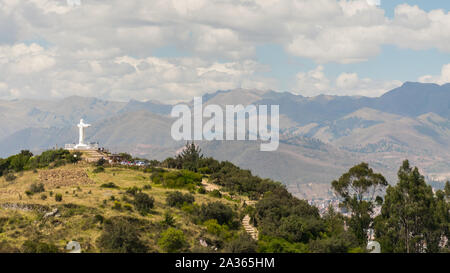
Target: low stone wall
x,y
25,207
64,178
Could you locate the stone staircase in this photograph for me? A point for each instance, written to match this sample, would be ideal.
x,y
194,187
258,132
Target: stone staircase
x,y
93,155
251,230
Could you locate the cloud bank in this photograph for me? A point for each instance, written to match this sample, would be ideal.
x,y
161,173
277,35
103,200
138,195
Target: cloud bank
x,y
51,48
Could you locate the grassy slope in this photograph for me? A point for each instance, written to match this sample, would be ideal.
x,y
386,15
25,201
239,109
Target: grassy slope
x,y
78,223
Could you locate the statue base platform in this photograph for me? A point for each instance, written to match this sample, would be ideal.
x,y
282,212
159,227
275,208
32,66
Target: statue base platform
x,y
81,147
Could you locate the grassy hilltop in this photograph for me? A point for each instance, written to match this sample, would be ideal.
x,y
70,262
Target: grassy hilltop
x,y
89,198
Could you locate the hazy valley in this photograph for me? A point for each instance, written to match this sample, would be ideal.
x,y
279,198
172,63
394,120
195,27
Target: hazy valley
x,y
320,136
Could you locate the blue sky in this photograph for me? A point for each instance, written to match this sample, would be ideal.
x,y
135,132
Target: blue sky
x,y
174,50
389,5
392,63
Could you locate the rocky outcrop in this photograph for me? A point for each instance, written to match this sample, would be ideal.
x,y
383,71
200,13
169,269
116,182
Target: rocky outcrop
x,y
73,247
53,213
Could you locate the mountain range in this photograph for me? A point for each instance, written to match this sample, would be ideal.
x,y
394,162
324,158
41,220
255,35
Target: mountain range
x,y
320,137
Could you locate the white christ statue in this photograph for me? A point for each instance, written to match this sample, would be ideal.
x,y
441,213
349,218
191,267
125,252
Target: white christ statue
x,y
81,127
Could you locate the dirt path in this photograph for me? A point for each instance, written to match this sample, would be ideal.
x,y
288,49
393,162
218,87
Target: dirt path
x,y
209,186
251,230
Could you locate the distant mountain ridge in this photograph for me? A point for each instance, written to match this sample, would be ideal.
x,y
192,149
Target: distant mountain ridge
x,y
317,133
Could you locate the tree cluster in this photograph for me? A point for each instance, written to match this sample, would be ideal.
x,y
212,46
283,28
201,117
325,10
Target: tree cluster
x,y
25,160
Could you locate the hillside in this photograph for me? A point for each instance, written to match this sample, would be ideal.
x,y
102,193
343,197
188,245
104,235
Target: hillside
x,y
186,203
85,203
57,202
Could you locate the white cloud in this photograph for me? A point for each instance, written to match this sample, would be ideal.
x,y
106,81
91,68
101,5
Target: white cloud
x,y
443,78
315,82
411,17
80,43
210,41
374,2
24,59
3,87
416,29
175,79
73,3
347,80
53,6
345,45
31,71
343,31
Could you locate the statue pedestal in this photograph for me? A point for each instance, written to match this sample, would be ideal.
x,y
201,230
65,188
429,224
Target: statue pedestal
x,y
72,147
83,147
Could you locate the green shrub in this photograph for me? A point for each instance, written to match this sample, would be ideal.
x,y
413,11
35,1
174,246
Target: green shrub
x,y
58,157
43,196
254,195
109,185
31,246
19,161
37,188
147,187
177,179
216,210
300,229
156,174
189,208
213,227
143,203
267,244
99,169
117,205
242,244
172,240
100,162
121,236
26,161
216,194
6,247
128,207
98,218
58,163
342,243
10,177
204,170
169,220
133,190
58,197
177,199
126,199
201,190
